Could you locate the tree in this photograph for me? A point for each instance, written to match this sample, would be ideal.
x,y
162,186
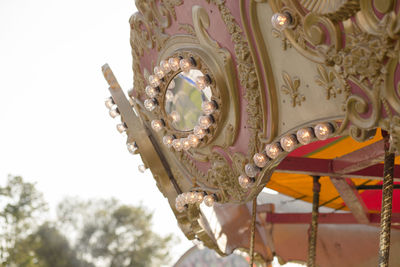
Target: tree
x,y
21,209
111,234
47,247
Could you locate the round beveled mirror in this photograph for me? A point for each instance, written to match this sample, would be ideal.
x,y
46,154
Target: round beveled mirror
x,y
184,99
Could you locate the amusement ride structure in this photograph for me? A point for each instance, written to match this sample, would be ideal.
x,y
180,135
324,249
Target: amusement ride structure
x,y
300,96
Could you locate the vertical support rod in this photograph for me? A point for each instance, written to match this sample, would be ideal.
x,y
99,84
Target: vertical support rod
x,y
312,238
386,210
253,231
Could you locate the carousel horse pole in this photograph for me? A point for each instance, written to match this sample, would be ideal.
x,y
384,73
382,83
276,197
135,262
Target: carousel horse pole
x,y
312,238
387,196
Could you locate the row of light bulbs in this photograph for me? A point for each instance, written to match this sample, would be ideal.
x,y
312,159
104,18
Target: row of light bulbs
x,y
122,127
194,197
287,143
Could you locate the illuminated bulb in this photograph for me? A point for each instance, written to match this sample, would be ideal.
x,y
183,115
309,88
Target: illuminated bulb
x,y
281,21
202,82
200,197
199,132
175,116
245,181
132,147
186,197
288,142
157,125
273,150
179,207
121,127
208,107
151,91
159,72
185,144
305,135
323,130
150,104
174,63
154,81
171,85
251,170
192,197
209,200
260,159
177,144
165,67
109,103
205,122
185,64
169,96
193,140
167,140
142,168
114,112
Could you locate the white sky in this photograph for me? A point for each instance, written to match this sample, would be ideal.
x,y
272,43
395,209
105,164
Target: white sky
x,y
55,129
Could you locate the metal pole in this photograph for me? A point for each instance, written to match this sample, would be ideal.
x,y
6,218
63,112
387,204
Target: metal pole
x,y
312,238
253,231
386,212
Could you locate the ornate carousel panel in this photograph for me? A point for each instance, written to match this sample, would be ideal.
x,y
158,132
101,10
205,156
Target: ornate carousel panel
x,y
300,96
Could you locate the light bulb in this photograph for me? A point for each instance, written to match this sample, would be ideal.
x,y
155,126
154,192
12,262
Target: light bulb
x,y
305,135
205,122
273,150
185,64
288,142
185,144
154,81
209,200
251,170
199,132
193,140
109,103
177,144
208,107
157,125
121,127
132,147
245,181
192,197
281,21
169,96
179,207
174,63
167,140
151,91
200,197
150,104
202,82
142,168
175,116
260,159
159,72
114,112
165,66
323,130
171,84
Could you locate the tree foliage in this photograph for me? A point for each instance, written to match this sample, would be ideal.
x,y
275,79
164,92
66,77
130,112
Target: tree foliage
x,y
112,233
86,233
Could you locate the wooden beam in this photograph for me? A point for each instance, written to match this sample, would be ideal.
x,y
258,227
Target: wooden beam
x,y
360,159
325,218
323,167
352,198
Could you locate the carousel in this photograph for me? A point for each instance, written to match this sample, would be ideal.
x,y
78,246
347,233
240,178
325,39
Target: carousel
x,y
299,96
